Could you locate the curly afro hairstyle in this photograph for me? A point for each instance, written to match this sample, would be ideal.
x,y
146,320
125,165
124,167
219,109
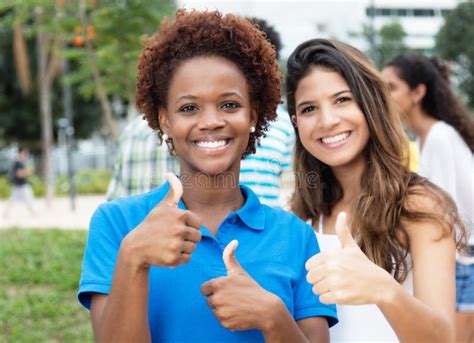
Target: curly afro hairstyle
x,y
195,33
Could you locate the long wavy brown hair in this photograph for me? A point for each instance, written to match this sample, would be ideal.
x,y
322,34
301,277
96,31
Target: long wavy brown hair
x,y
382,206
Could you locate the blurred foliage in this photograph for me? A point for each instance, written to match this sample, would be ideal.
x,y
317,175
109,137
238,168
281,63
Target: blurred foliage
x,y
39,278
115,29
19,114
388,42
455,41
87,182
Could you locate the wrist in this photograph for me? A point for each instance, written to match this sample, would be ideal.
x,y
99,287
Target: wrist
x,y
276,314
131,253
389,294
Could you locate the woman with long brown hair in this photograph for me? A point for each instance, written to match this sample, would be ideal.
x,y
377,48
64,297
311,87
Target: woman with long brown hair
x,y
394,255
422,90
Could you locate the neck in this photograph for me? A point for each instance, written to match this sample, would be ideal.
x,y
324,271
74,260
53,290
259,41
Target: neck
x,y
421,123
202,192
349,177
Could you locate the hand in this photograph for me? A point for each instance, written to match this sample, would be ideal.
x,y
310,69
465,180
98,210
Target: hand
x,y
168,235
236,299
346,276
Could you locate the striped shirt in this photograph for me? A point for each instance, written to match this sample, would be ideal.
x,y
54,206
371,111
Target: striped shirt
x,y
142,164
267,170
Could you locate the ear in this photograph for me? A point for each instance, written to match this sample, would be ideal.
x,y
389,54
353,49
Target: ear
x,y
418,93
293,119
253,117
164,119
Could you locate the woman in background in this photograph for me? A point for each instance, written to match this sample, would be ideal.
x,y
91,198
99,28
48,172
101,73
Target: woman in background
x,y
445,130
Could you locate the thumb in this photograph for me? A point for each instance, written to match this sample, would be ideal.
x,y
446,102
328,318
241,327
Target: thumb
x,y
343,233
230,261
176,191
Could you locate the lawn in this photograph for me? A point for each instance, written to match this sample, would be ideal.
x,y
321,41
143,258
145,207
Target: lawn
x,y
39,273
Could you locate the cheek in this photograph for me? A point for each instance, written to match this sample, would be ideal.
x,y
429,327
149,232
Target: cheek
x,y
305,129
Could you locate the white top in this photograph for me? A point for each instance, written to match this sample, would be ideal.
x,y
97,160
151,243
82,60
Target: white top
x,y
447,161
358,323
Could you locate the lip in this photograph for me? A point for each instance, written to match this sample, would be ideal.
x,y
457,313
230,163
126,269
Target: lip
x,y
337,144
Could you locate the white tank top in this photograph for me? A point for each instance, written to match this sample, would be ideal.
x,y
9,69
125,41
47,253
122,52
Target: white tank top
x,y
358,323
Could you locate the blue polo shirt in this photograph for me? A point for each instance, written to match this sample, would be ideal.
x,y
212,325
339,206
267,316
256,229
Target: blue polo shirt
x,y
273,248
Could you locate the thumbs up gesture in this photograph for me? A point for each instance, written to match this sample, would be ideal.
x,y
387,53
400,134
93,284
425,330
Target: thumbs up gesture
x,y
168,235
237,301
346,276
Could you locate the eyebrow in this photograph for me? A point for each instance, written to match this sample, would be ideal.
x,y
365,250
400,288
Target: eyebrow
x,y
189,97
192,97
332,96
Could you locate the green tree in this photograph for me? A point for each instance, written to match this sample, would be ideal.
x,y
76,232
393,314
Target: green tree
x,y
108,56
385,42
454,42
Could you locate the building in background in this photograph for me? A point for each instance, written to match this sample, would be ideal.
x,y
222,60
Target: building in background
x,y
341,19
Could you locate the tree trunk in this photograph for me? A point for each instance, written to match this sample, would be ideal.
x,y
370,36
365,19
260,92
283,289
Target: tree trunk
x,y
44,86
102,94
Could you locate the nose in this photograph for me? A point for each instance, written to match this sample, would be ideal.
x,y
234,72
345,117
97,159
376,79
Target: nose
x,y
210,119
328,118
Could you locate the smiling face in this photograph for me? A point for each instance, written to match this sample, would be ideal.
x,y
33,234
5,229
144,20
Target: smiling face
x,y
331,125
208,115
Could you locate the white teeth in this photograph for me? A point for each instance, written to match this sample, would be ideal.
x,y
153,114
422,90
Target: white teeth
x,y
335,139
211,144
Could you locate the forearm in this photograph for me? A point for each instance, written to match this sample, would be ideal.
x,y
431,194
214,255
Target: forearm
x,y
125,316
413,321
282,327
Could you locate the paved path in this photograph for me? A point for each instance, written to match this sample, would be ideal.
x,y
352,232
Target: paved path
x,y
59,215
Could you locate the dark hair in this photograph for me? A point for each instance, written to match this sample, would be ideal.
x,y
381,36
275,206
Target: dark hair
x,y
192,34
271,34
439,100
386,185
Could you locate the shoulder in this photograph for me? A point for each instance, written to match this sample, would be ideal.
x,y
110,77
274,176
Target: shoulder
x,y
137,128
429,212
124,214
442,135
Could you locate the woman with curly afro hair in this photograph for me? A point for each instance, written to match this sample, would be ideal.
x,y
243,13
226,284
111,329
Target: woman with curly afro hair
x,y
164,266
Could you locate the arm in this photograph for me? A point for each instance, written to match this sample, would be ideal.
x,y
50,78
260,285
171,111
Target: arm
x,y
432,307
283,328
166,237
129,291
347,277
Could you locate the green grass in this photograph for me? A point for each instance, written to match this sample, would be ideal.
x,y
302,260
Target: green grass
x,y
39,273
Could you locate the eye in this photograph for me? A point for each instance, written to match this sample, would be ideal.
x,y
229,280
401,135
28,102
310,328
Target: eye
x,y
308,109
230,105
343,99
188,108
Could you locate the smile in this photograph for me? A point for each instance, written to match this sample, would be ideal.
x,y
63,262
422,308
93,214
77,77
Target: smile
x,y
212,144
335,139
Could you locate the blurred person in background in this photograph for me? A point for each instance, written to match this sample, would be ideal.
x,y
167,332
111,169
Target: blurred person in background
x,y
21,189
422,90
389,265
142,162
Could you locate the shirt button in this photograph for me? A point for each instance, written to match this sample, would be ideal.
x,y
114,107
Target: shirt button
x,y
233,220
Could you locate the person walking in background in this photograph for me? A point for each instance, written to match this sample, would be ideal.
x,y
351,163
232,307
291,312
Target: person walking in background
x,y
209,85
21,189
142,163
422,90
389,263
